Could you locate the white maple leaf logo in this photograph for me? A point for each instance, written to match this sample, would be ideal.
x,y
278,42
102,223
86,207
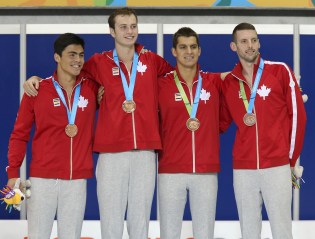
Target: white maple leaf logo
x,y
82,102
263,91
141,67
204,95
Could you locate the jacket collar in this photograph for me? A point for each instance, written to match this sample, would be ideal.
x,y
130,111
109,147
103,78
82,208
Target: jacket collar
x,y
78,80
237,70
195,77
138,48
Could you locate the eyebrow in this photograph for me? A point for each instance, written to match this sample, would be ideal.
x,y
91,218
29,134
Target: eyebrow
x,y
182,44
74,52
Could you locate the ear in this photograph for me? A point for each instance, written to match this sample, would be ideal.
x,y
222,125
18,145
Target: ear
x,y
112,32
174,52
56,57
233,46
199,51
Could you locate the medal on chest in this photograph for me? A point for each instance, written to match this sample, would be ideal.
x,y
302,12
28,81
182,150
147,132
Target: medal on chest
x,y
129,106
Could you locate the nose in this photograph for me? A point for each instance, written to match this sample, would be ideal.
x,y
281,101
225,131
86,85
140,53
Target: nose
x,y
77,57
129,29
22,198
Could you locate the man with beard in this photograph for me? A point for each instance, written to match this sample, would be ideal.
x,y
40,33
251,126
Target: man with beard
x,y
264,100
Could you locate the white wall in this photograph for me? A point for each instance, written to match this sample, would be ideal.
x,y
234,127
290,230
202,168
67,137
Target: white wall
x,y
17,229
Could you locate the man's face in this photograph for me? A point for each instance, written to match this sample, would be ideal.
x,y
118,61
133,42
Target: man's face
x,y
247,45
187,51
126,30
71,60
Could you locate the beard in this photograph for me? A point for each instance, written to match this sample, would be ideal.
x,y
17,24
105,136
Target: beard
x,y
250,58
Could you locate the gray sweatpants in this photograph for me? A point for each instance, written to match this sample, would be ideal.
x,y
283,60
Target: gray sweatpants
x,y
273,187
173,190
125,181
67,198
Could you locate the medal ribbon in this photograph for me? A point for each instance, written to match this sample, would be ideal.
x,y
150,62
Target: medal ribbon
x,y
71,114
128,90
191,109
249,106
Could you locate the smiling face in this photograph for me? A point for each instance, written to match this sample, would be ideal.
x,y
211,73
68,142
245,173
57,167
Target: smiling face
x,y
125,32
71,60
186,52
246,45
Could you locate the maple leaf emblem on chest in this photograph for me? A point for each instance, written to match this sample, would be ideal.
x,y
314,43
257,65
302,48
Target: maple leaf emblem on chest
x,y
204,95
263,91
82,102
141,67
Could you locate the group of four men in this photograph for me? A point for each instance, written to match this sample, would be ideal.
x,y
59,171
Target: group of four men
x,y
148,105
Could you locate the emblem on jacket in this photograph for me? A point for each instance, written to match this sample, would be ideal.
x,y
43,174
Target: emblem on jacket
x,y
204,95
82,102
56,102
178,97
263,91
141,67
115,71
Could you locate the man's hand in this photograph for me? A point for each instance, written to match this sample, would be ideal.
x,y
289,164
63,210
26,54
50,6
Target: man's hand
x,y
31,86
100,94
224,74
11,182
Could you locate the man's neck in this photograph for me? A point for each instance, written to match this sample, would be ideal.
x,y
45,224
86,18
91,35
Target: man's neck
x,y
125,53
248,72
187,74
67,82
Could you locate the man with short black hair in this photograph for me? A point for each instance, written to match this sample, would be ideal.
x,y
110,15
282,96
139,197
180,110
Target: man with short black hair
x,y
63,114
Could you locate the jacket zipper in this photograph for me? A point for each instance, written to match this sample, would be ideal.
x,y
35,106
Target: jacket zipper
x,y
193,145
71,139
256,125
133,117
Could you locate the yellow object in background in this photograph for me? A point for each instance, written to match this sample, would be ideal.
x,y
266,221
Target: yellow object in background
x,y
175,3
153,3
44,3
282,3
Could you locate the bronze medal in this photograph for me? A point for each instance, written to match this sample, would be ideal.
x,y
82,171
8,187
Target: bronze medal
x,y
193,124
249,119
71,130
129,106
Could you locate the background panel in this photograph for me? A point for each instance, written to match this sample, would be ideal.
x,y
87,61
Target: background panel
x,y
307,210
276,45
10,93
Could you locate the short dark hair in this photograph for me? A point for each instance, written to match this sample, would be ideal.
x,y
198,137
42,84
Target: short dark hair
x,y
120,11
65,40
184,32
242,26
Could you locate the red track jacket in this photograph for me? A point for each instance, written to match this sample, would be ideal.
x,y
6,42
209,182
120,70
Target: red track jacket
x,y
54,154
277,137
118,131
